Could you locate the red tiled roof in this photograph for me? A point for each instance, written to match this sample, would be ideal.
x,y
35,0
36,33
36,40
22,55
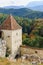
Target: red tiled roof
x,y
10,24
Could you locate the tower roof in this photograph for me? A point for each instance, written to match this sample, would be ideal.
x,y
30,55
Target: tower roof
x,y
10,24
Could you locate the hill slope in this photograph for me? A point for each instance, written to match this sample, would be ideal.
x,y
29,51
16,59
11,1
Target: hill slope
x,y
37,8
23,12
36,5
14,7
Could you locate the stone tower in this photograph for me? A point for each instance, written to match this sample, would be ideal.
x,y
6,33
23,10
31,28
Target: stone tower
x,y
11,31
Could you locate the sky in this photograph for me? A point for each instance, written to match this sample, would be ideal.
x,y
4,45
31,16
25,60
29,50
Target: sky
x,y
15,2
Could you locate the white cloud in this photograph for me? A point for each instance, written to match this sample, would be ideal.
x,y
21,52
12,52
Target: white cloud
x,y
15,2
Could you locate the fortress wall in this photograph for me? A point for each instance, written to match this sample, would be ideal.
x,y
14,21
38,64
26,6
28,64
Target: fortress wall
x,y
30,50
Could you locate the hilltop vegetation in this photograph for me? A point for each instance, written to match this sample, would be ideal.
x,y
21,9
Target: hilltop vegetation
x,y
35,38
32,30
2,17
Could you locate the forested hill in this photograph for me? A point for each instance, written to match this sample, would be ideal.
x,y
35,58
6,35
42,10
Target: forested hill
x,y
22,12
32,30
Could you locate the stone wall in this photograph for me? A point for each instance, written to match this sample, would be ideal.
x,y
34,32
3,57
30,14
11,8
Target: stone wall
x,y
2,48
13,40
16,41
31,50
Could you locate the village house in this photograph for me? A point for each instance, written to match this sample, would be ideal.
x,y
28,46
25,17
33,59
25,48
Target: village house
x,y
10,35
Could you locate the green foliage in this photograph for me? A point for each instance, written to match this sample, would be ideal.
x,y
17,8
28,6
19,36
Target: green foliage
x,y
2,18
36,42
26,41
25,23
36,39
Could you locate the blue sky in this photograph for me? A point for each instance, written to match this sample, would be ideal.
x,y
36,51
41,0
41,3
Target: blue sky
x,y
15,2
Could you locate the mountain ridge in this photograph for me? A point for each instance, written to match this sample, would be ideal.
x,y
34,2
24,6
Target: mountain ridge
x,y
22,12
35,5
37,8
14,7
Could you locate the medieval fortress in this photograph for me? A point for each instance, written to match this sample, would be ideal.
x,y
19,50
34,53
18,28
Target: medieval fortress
x,y
10,36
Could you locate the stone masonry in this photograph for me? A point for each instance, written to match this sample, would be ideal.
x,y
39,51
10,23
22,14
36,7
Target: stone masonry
x,y
2,48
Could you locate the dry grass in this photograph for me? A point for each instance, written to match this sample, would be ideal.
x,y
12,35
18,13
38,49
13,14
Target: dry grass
x,y
4,61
